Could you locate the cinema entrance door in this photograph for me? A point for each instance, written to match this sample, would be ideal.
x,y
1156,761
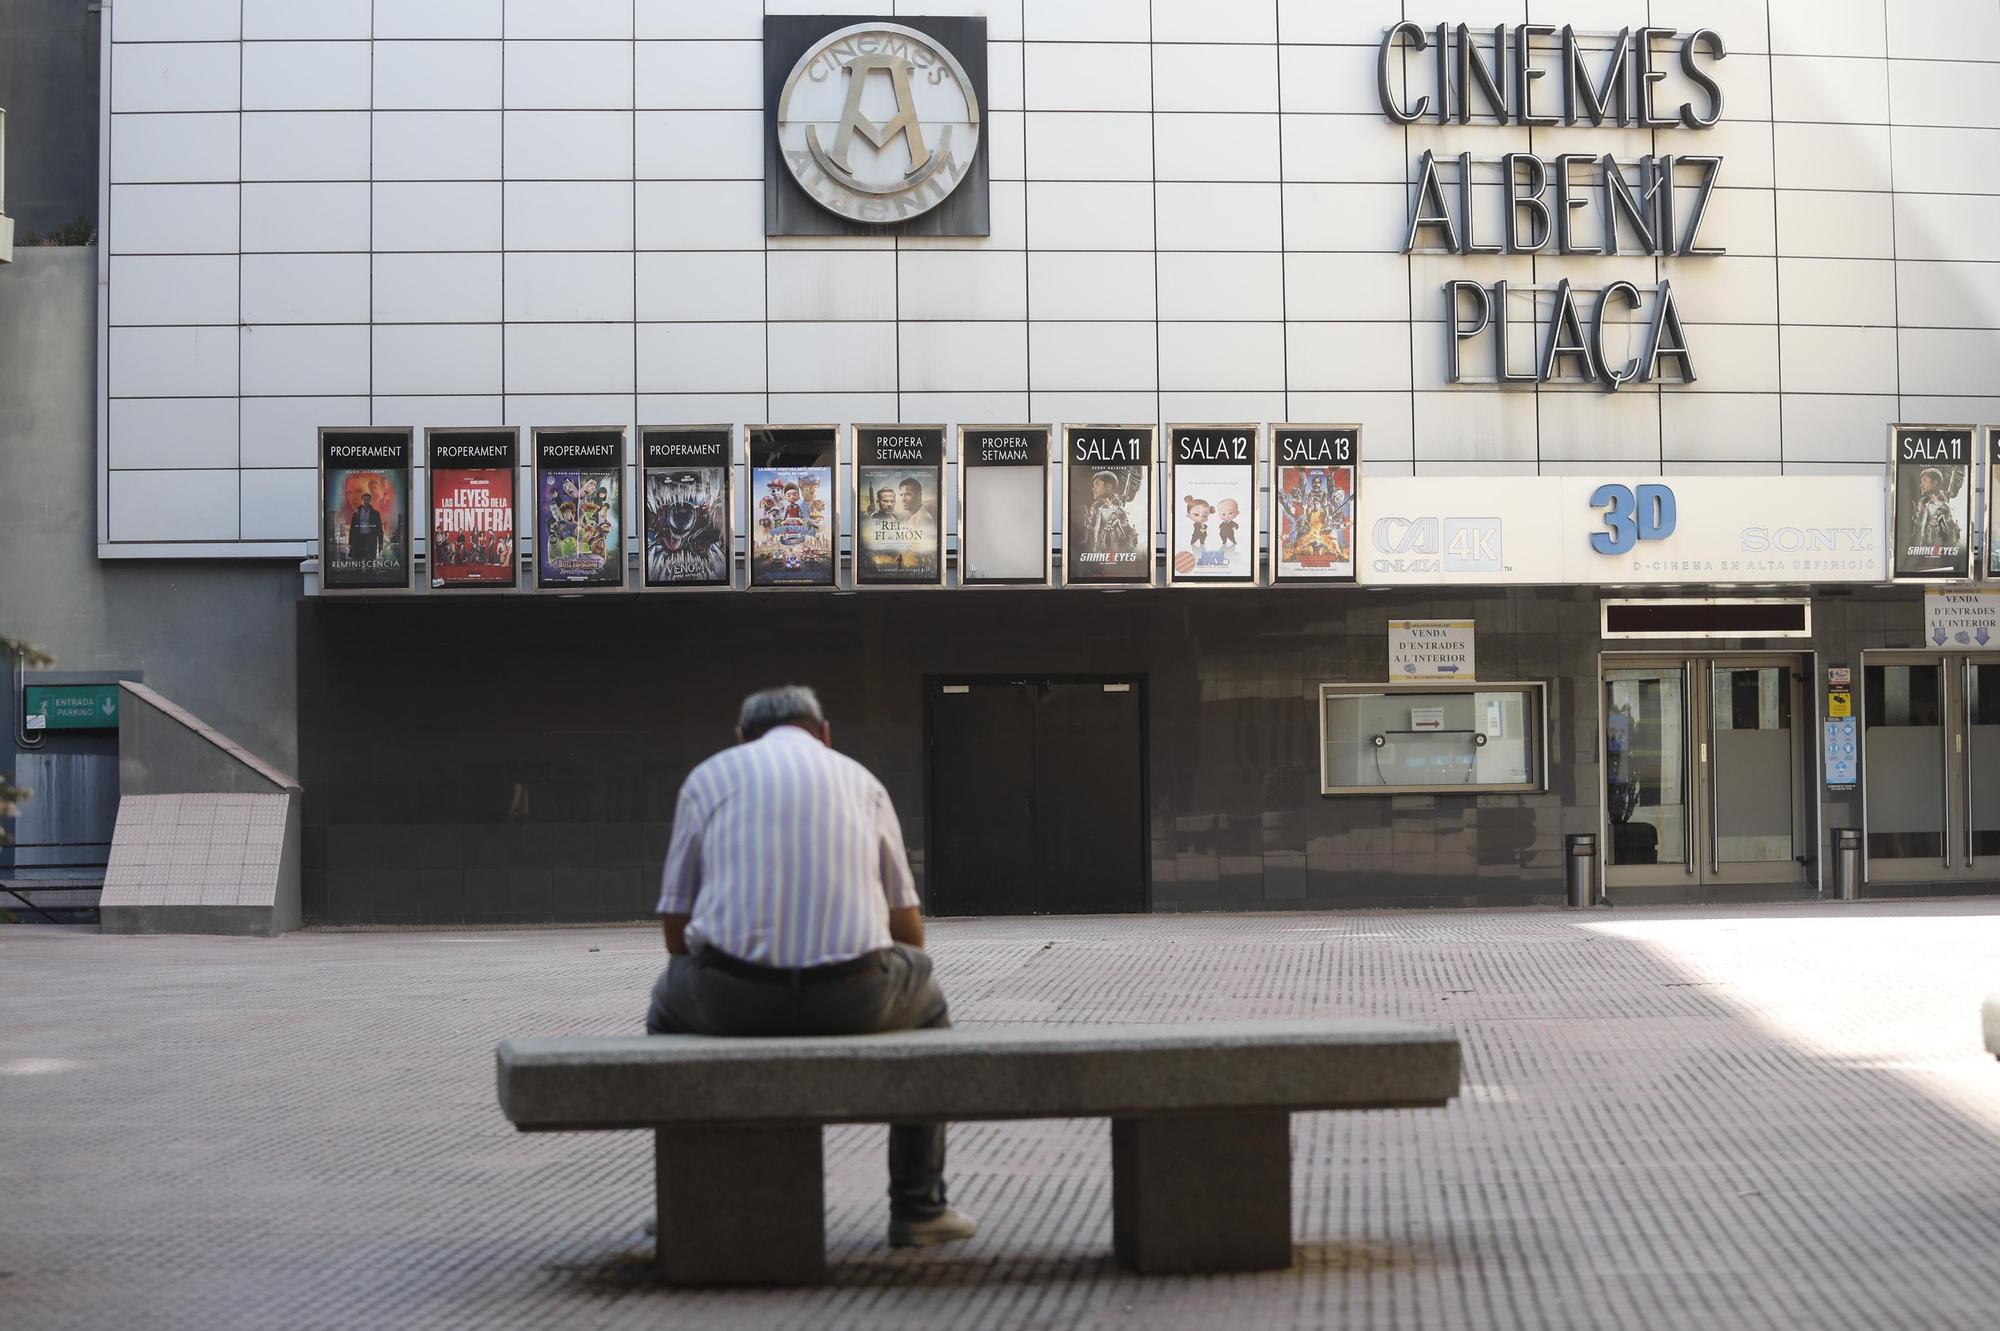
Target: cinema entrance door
x,y
1037,796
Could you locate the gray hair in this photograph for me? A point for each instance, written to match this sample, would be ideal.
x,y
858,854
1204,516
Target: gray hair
x,y
766,710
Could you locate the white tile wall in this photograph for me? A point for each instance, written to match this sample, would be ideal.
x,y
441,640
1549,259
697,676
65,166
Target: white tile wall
x,y
459,211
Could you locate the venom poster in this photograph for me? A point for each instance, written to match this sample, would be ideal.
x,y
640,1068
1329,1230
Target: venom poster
x,y
685,483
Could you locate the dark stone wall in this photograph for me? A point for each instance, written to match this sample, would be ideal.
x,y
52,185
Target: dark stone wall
x,y
49,86
517,759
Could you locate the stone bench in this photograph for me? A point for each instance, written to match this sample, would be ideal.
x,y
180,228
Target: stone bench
x,y
1200,1122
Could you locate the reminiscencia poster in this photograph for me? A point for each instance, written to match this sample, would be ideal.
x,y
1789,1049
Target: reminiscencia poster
x,y
1933,486
898,531
686,488
472,507
578,499
365,509
1313,490
1210,503
793,523
1108,533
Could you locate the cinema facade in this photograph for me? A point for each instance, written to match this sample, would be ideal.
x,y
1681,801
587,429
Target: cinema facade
x,y
1206,456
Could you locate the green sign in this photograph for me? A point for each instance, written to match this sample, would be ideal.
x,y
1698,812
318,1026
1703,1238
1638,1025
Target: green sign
x,y
72,707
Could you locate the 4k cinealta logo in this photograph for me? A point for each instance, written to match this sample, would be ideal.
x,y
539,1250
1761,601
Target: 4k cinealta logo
x,y
1438,545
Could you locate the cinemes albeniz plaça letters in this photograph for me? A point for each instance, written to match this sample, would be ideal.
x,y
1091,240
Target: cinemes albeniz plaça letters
x,y
1656,207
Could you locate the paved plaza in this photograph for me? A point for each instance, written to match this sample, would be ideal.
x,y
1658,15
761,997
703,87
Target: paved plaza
x,y
1713,1118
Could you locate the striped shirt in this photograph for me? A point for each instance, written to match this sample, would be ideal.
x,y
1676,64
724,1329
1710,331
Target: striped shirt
x,y
785,853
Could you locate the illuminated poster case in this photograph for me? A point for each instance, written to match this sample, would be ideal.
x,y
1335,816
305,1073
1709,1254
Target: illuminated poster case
x,y
579,509
899,505
1315,498
1004,499
1212,505
1108,506
1930,502
686,505
364,509
794,515
470,476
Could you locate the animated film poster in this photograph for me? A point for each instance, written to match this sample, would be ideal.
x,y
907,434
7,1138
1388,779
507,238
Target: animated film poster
x,y
1108,533
579,509
1003,506
1314,489
685,484
471,477
794,525
1211,502
364,501
898,503
1933,489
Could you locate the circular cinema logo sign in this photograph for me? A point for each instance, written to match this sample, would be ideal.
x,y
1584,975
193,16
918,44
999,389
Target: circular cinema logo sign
x,y
878,123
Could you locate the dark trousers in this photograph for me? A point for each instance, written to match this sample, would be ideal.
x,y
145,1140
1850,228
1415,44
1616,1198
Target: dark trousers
x,y
898,994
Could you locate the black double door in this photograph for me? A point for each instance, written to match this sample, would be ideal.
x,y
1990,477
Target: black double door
x,y
1037,797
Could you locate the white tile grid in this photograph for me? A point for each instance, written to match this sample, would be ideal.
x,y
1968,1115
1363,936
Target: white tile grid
x,y
1211,345
196,850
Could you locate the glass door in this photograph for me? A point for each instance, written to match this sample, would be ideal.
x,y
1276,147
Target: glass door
x,y
1931,768
1753,773
1704,772
1646,773
1982,771
1905,787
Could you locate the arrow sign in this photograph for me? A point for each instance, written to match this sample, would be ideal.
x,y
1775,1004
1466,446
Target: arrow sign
x,y
1982,637
1941,637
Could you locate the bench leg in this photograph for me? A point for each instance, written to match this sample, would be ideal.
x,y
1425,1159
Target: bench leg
x,y
741,1206
1212,1193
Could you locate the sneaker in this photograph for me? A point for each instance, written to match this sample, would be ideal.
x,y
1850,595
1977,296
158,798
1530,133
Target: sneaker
x,y
947,1226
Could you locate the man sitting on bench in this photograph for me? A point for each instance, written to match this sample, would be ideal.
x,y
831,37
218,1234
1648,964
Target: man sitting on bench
x,y
789,909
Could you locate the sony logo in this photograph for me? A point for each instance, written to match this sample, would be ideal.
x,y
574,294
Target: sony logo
x,y
1796,540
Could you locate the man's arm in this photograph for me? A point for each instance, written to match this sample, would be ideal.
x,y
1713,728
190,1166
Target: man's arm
x,y
675,929
680,881
906,923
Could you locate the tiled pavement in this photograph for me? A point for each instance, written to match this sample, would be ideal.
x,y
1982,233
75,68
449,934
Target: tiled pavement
x,y
1762,1117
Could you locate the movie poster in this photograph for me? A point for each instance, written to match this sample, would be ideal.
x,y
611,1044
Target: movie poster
x,y
579,509
1211,501
1993,502
794,526
1108,527
1933,489
1003,511
898,500
471,536
364,501
684,481
1314,489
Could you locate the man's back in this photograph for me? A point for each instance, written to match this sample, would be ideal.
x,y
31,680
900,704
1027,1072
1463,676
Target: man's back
x,y
786,853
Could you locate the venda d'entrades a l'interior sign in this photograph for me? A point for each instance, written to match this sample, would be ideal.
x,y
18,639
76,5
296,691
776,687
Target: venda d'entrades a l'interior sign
x,y
1536,74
